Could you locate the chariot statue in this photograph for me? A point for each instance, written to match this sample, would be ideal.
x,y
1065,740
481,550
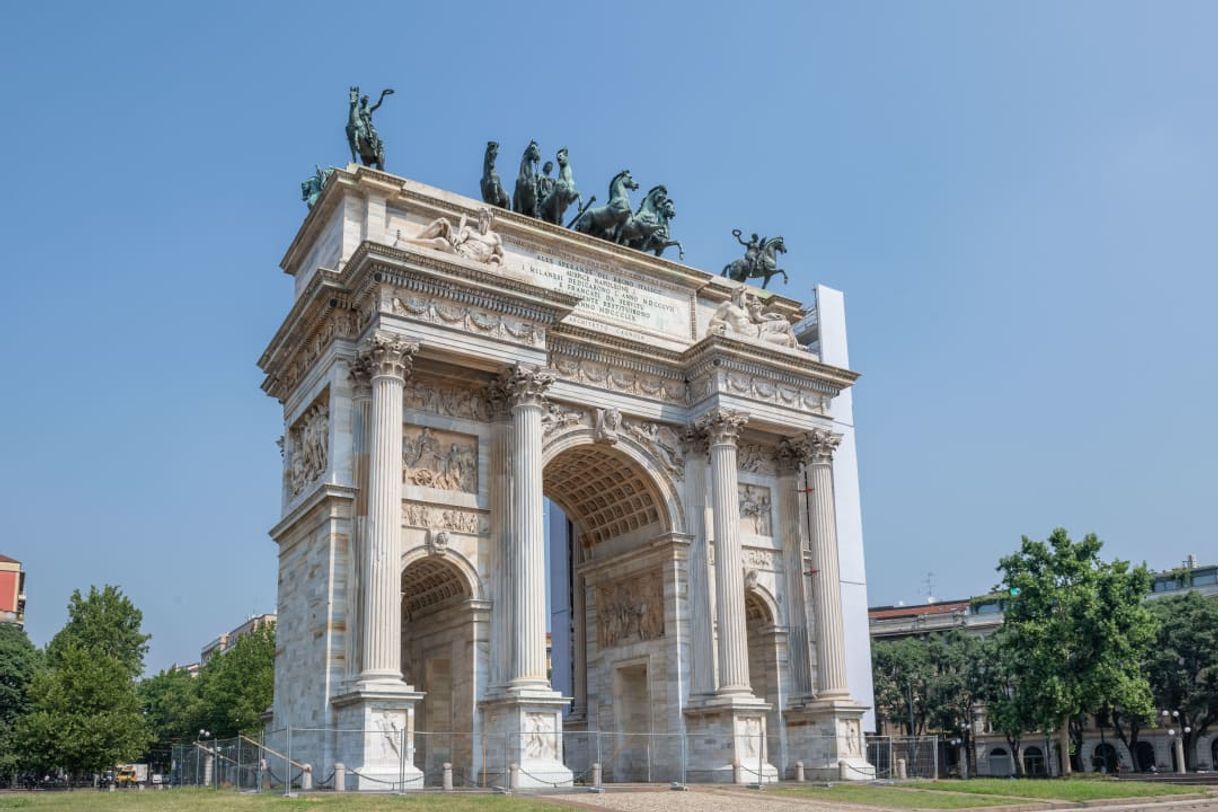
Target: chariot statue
x,y
759,261
647,229
557,194
492,189
362,138
524,199
606,221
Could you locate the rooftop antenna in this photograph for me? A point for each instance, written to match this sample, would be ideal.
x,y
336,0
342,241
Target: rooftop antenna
x,y
928,584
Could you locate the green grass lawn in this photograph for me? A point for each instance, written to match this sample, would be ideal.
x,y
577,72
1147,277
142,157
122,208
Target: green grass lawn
x,y
181,800
888,797
1081,789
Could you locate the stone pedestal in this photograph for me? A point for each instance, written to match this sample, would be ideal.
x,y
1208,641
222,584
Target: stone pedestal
x,y
527,731
827,736
728,741
381,757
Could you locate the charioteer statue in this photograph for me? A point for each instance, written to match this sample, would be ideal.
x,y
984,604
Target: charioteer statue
x,y
362,138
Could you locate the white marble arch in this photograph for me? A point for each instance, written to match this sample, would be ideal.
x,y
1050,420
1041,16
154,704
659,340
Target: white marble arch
x,y
469,574
650,468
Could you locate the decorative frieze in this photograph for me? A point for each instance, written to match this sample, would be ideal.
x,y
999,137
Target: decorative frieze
x,y
456,520
444,460
605,375
752,558
308,445
755,514
445,312
446,399
558,418
756,459
630,609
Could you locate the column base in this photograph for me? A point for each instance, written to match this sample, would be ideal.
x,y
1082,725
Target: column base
x,y
826,734
524,727
728,741
376,737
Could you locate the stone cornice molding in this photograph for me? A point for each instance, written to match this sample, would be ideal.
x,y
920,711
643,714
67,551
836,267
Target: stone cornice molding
x,y
787,366
524,385
388,356
721,426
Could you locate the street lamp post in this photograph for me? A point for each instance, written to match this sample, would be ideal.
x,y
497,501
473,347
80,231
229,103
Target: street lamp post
x,y
210,761
1170,718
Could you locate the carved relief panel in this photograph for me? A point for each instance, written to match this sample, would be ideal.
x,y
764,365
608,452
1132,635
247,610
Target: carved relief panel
x,y
306,453
630,610
445,460
756,517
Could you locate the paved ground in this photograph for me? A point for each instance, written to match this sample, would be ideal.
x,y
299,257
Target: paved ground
x,y
712,800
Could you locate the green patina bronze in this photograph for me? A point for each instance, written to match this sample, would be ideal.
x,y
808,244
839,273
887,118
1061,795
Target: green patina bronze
x,y
310,187
366,145
606,221
558,194
524,199
492,189
760,260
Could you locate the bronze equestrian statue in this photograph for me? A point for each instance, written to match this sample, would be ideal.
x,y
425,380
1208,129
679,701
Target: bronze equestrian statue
x,y
524,199
362,138
759,261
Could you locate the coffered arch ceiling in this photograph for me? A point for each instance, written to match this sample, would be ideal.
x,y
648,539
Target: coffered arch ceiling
x,y
606,492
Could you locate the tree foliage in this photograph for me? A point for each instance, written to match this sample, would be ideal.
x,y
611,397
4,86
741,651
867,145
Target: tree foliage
x,y
1183,664
170,701
236,687
19,664
84,713
1079,626
105,623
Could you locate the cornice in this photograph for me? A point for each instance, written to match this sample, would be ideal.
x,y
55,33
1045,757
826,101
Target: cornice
x,y
794,366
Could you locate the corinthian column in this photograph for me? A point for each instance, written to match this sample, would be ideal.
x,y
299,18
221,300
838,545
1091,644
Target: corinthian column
x,y
526,387
388,360
361,415
827,596
792,454
722,429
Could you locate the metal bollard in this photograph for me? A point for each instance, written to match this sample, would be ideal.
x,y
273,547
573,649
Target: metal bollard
x,y
843,770
448,776
306,778
737,773
340,777
596,774
513,776
799,771
901,774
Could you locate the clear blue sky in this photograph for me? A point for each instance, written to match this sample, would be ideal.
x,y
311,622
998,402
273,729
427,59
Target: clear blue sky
x,y
1020,201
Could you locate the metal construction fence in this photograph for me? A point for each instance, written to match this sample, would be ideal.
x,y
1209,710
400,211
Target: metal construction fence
x,y
295,759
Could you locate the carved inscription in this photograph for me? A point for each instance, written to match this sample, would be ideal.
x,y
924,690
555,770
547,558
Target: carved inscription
x,y
439,459
629,610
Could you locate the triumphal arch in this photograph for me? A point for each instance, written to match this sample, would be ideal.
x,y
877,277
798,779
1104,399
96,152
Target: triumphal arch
x,y
444,369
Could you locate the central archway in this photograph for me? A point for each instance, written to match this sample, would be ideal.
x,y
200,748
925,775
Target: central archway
x,y
613,595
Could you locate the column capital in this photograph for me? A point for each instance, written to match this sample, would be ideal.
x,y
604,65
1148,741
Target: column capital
x,y
387,355
359,370
822,445
522,385
721,426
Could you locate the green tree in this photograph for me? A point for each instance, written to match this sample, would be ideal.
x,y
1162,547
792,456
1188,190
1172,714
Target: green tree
x,y
958,678
901,673
105,623
1183,665
172,707
1078,630
85,715
1009,698
236,687
19,664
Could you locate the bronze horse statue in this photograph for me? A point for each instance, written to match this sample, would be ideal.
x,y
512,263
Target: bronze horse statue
x,y
553,205
759,262
492,189
524,199
362,138
658,240
606,221
646,221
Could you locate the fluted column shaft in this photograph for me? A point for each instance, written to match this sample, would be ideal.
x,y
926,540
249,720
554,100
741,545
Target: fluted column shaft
x,y
361,417
526,389
702,642
389,362
502,556
791,533
827,594
722,429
